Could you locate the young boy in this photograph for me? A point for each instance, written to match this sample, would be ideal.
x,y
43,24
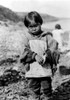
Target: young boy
x,y
37,56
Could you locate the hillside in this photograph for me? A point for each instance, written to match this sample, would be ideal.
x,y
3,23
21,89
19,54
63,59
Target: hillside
x,y
46,17
49,18
7,14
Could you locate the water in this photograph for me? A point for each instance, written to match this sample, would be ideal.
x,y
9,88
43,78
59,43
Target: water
x,y
65,24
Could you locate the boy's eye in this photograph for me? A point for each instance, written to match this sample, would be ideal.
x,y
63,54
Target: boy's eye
x,y
33,25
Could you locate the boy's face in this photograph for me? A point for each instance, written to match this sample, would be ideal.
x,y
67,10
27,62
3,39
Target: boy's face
x,y
34,29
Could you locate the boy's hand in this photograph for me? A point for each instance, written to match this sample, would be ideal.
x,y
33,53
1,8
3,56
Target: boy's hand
x,y
39,59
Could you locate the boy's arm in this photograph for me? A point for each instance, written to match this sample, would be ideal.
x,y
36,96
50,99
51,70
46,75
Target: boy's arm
x,y
52,52
53,47
30,56
52,44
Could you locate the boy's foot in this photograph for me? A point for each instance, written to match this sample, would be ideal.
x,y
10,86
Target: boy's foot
x,y
45,98
33,98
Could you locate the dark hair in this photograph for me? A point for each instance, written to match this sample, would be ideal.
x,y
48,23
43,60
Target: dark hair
x,y
32,17
58,26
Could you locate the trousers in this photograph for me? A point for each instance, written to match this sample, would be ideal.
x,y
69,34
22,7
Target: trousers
x,y
40,86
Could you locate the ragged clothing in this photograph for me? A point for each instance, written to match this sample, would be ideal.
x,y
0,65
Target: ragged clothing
x,y
45,46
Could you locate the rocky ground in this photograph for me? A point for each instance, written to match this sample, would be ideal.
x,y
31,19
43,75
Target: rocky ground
x,y
13,86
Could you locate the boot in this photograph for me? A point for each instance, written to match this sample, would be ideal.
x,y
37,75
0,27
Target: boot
x,y
44,98
33,98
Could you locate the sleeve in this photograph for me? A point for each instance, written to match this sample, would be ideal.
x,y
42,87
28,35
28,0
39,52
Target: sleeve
x,y
52,44
53,48
28,56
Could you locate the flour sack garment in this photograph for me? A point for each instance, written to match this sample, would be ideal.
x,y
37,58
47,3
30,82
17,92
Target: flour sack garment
x,y
36,70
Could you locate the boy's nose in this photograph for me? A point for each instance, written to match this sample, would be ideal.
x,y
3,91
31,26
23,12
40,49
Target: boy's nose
x,y
33,29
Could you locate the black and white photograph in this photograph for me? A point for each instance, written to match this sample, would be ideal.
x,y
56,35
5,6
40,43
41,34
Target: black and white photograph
x,y
34,49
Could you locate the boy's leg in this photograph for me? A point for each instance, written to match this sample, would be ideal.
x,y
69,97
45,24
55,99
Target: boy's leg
x,y
34,87
46,88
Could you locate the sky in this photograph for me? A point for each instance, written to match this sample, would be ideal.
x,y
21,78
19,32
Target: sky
x,y
58,8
